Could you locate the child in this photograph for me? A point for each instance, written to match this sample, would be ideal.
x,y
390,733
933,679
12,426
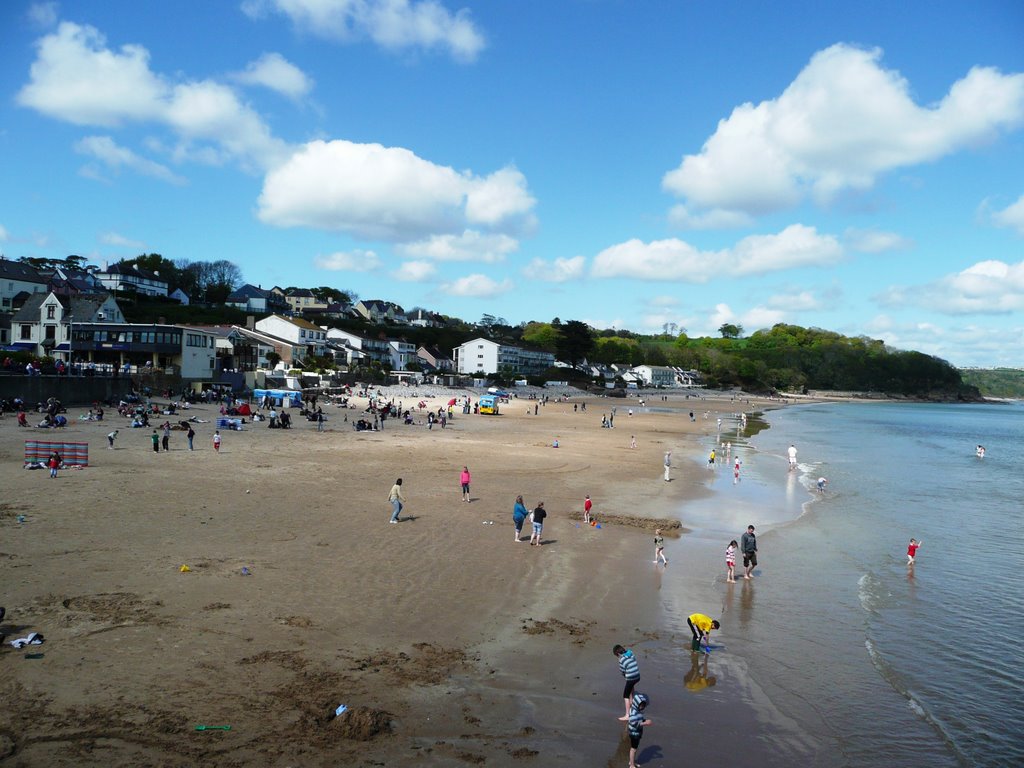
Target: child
x,y
659,547
912,551
54,463
730,563
111,437
630,670
464,479
632,441
216,440
587,505
637,721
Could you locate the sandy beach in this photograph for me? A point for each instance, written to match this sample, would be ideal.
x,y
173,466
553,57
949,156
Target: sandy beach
x,y
448,642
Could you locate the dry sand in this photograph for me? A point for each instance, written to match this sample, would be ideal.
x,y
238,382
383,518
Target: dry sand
x,y
450,643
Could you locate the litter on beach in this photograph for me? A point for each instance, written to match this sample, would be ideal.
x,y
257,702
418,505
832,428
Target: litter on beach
x,y
213,727
185,569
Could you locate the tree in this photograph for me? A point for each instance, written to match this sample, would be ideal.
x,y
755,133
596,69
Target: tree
x,y
575,342
730,330
541,335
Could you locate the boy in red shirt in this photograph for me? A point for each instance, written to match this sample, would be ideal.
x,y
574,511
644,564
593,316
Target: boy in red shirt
x,y
912,550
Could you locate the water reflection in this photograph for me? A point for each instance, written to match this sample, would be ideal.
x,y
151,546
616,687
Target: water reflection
x,y
697,679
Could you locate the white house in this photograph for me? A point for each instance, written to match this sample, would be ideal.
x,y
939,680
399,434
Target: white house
x,y
44,323
655,375
307,339
402,353
128,277
483,356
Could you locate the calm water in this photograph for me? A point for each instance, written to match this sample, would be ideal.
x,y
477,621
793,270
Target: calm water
x,y
848,657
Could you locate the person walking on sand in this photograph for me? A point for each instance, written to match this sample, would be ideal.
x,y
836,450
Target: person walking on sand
x,y
630,669
397,500
635,728
156,441
111,437
632,441
539,513
668,464
191,434
748,545
659,547
519,515
701,626
216,440
587,506
464,479
167,436
730,563
912,551
792,457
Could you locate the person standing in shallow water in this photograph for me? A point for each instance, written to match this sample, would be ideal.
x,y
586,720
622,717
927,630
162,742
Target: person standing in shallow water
x,y
748,545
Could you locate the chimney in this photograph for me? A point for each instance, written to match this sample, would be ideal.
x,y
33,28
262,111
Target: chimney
x,y
250,322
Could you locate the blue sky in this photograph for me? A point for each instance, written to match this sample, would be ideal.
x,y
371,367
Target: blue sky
x,y
853,166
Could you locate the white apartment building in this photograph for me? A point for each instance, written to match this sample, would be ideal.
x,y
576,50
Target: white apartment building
x,y
482,356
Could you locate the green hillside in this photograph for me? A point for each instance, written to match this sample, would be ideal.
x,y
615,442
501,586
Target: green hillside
x,y
996,382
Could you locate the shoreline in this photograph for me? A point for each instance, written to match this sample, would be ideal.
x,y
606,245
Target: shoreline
x,y
398,622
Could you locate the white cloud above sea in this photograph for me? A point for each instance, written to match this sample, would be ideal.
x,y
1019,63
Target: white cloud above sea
x,y
843,121
274,71
348,261
1012,216
392,24
962,344
389,193
476,286
76,78
989,287
795,246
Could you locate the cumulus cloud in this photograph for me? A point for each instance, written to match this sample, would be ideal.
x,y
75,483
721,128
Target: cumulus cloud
x,y
1012,216
348,261
681,217
392,24
477,286
78,79
986,288
115,158
42,14
839,125
386,193
471,245
797,301
795,246
120,241
415,271
962,344
753,319
274,71
875,241
558,271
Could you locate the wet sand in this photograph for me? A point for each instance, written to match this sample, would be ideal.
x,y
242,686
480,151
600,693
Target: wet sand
x,y
449,642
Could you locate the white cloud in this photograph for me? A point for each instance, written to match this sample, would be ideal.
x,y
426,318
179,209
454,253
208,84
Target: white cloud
x,y
350,261
4,237
962,344
752,320
274,71
664,301
471,245
477,286
679,216
392,24
116,158
1012,216
113,238
76,78
415,271
985,288
795,246
381,192
839,125
796,301
498,197
875,241
558,271
42,14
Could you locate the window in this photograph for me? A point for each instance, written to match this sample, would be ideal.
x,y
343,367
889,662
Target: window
x,y
51,312
51,332
26,332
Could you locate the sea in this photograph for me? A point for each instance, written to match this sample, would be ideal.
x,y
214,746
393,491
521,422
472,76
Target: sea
x,y
838,652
